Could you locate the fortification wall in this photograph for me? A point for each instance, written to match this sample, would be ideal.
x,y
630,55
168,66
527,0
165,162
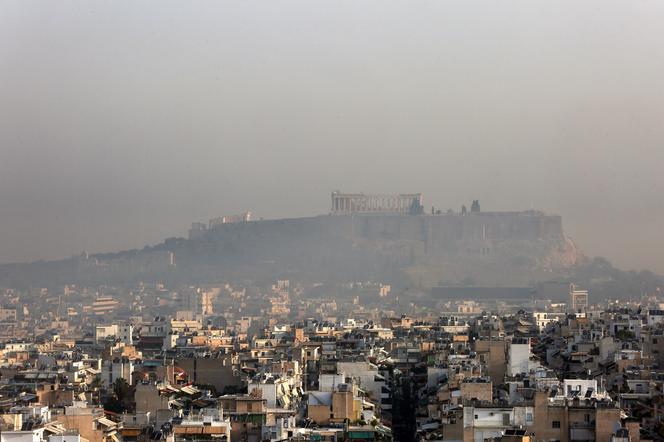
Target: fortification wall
x,y
395,235
446,233
438,233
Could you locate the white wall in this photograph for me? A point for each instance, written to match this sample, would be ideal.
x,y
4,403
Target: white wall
x,y
519,356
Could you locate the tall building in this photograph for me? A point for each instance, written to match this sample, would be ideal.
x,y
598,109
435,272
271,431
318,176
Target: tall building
x,y
578,299
206,302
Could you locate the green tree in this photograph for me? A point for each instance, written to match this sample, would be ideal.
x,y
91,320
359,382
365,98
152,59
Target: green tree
x,y
121,399
416,208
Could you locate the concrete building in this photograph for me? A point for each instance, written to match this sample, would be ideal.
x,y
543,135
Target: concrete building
x,y
518,357
204,425
217,371
90,422
571,418
7,314
338,406
477,389
104,305
368,379
493,353
34,435
118,368
544,319
123,332
70,436
578,299
482,422
279,391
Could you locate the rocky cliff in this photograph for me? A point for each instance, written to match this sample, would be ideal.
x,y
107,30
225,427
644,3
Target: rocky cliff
x,y
424,250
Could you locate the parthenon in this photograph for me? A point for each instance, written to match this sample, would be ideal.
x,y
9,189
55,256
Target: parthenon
x,y
344,203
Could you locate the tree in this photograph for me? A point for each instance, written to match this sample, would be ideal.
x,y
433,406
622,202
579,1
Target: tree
x,y
234,389
122,396
211,388
121,389
96,383
416,208
95,386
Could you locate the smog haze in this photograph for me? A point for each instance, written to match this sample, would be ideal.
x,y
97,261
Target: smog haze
x,y
123,122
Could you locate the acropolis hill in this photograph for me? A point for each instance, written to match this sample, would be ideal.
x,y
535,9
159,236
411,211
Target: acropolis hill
x,y
488,247
364,237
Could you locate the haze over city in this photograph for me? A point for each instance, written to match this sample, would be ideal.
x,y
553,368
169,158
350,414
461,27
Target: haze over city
x,y
123,122
330,221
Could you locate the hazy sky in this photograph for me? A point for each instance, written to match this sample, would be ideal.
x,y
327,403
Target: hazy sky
x,y
123,121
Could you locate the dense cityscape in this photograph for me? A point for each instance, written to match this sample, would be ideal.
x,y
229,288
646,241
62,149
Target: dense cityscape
x,y
331,221
286,359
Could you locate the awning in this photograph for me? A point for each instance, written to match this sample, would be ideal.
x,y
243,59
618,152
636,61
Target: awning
x,y
190,390
54,428
106,422
212,430
175,403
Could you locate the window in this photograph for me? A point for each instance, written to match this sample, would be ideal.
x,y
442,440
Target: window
x,y
586,417
529,417
555,424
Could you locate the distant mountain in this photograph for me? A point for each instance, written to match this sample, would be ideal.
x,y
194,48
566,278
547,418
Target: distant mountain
x,y
607,282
